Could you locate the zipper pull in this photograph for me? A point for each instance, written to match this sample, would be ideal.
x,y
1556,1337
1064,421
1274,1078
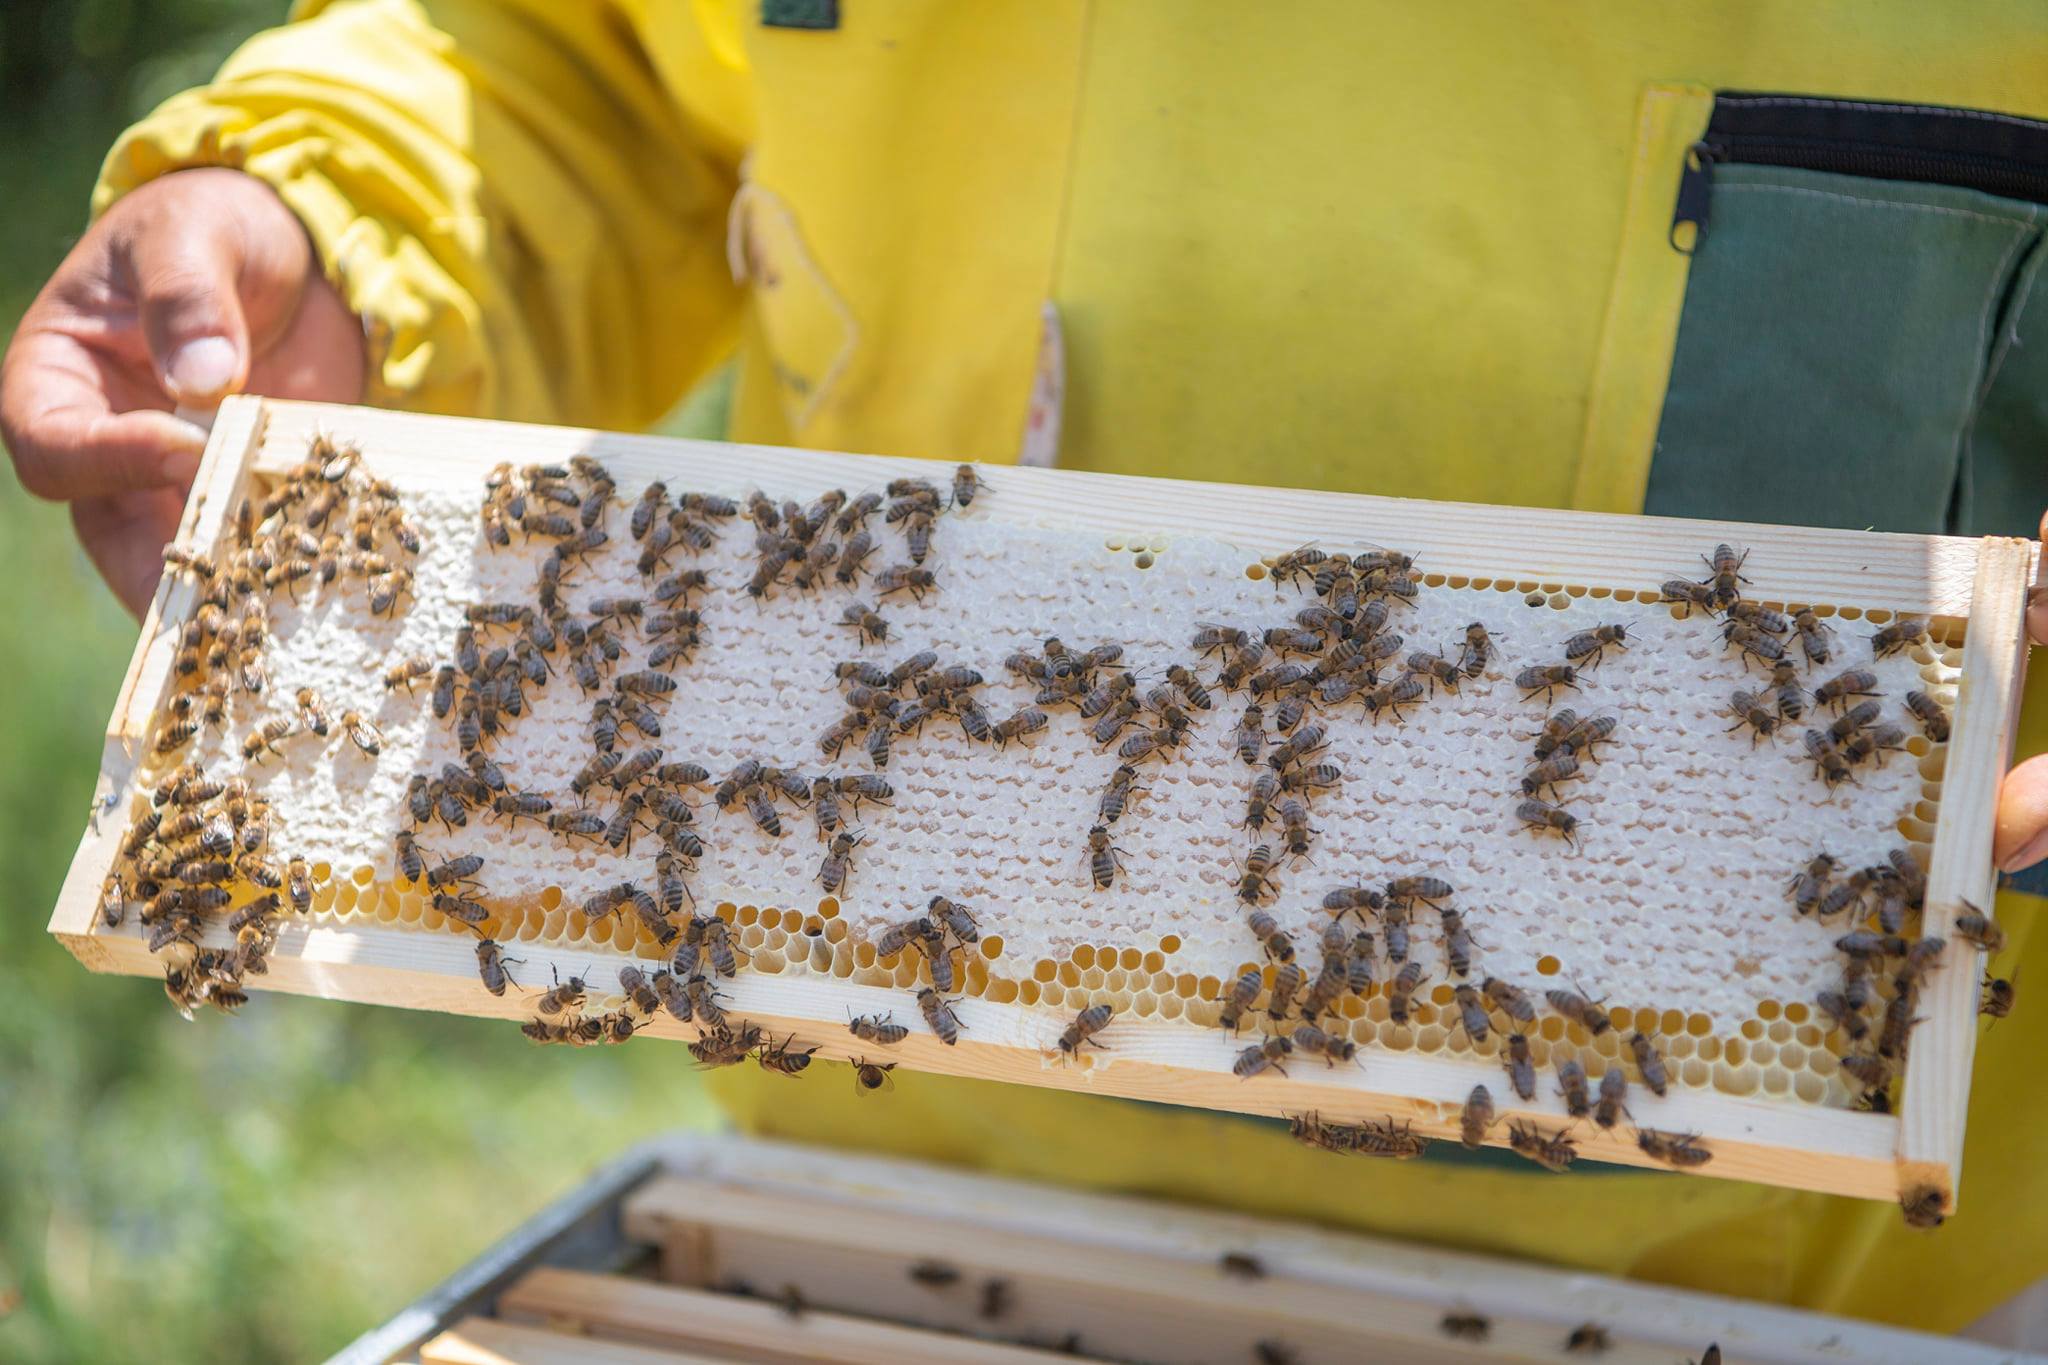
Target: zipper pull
x,y
1695,190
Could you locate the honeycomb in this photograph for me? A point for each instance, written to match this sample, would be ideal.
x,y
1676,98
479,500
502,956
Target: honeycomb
x,y
1671,907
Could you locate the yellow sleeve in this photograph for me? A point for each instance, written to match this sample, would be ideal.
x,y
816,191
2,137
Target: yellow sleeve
x,y
510,192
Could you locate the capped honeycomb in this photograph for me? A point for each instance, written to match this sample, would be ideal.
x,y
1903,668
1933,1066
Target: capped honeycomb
x,y
1669,905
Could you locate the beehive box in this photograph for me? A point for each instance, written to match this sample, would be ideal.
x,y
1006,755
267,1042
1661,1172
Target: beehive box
x,y
1668,906
696,1247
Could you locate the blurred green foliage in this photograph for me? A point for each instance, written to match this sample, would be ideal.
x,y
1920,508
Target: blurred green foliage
x,y
259,1188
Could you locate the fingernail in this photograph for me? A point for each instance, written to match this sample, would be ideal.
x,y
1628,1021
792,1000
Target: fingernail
x,y
201,369
2031,852
181,466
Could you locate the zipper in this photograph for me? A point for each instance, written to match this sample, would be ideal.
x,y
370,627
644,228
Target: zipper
x,y
1998,154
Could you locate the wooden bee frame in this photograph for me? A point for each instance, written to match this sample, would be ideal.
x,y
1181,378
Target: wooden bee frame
x,y
1976,587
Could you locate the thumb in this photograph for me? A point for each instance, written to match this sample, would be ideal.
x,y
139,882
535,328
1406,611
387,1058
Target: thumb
x,y
191,311
2021,829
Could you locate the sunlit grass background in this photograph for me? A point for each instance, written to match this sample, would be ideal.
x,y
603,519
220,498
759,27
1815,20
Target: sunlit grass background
x,y
260,1188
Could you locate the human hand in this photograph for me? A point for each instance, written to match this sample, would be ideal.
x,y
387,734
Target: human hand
x,y
193,287
2021,837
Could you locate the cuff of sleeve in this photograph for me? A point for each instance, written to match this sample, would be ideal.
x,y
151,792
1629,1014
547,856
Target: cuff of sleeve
x,y
421,329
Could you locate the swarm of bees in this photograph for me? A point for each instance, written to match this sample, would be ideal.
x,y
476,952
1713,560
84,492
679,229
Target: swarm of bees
x,y
184,860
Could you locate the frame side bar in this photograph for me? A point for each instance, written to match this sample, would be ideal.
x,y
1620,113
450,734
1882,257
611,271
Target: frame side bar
x,y
1937,1096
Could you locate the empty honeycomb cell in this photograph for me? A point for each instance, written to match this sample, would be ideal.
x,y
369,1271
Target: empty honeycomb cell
x,y
1791,1056
1002,991
1442,994
1551,1028
1053,995
1681,1046
1809,1087
1536,599
907,973
555,924
1699,1025
1809,1035
363,876
1606,1045
1255,572
1397,1036
1131,959
1671,1021
1115,543
1457,581
1070,975
1159,983
433,921
836,932
1114,980
1780,1031
322,872
1767,1009
1696,1072
1351,1007
1776,1081
992,947
1763,1052
864,955
1915,829
1541,1050
1849,613
323,900
770,918
1797,1011
1044,970
814,927
1107,956
1621,1017
344,898
1548,965
1559,601
1171,1006
1144,560
1143,1004
1752,1029
1083,956
1643,1021
1734,1051
977,978
1876,616
1169,944
1189,986
745,914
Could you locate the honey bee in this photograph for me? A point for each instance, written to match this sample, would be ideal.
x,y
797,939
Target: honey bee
x,y
1830,763
1681,1150
1104,858
1117,794
406,672
1750,709
1592,645
267,737
1857,682
1406,891
1873,1073
1931,715
1458,946
784,1060
1613,1098
1725,574
1578,1010
1977,928
1215,639
1086,1025
869,1077
1813,636
176,736
1753,643
1541,816
866,621
722,1046
1551,1151
1571,1082
1029,721
1510,999
1465,1326
1690,594
490,965
1563,767
1256,883
1314,1042
1925,1206
1477,652
1649,1061
1589,1338
1900,634
872,1028
189,561
1545,678
1401,990
1476,1118
939,1015
361,733
1263,1056
566,995
1287,983
1998,998
1810,884
701,1000
1472,1013
1242,993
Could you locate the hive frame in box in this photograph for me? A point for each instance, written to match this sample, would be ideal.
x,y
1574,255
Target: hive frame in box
x,y
1980,586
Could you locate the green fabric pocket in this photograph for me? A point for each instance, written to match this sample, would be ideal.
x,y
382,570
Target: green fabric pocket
x,y
1853,352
